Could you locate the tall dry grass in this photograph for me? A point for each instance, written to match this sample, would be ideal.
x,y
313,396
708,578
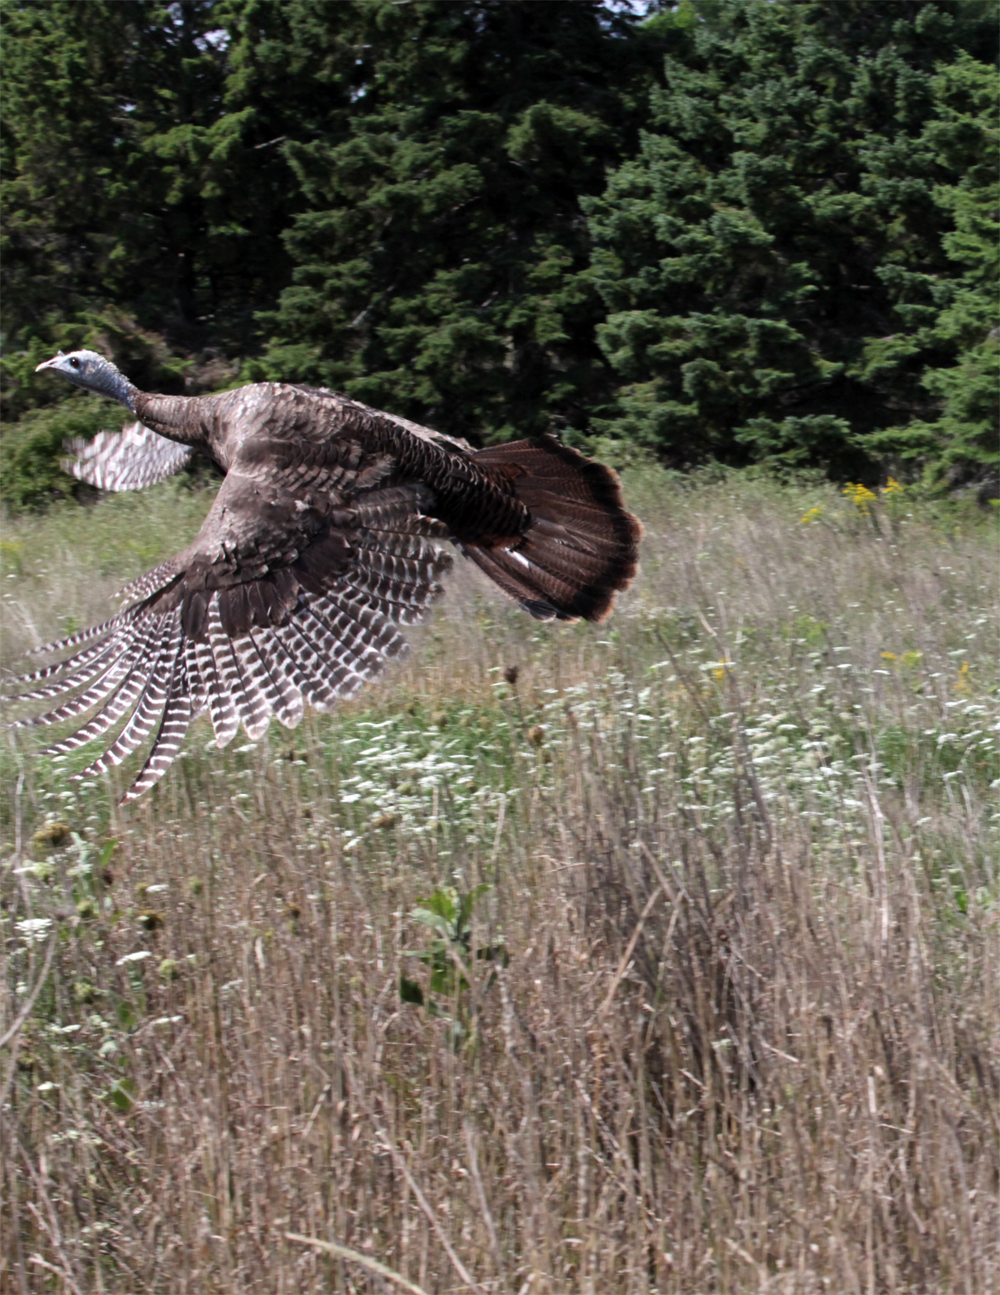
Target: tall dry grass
x,y
723,1019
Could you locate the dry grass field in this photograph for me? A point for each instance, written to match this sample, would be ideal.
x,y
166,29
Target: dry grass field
x,y
659,956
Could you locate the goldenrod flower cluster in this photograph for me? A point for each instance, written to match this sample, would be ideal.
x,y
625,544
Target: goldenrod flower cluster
x,y
863,498
860,496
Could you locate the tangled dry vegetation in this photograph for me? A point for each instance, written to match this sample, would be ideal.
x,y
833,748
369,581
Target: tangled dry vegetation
x,y
671,964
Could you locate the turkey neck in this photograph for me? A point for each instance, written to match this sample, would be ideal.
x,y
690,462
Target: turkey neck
x,y
179,418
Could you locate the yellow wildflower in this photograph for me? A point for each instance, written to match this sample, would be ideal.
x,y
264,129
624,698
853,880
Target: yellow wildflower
x,y
812,514
860,496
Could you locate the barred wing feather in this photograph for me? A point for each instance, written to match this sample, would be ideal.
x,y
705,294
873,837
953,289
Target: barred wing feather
x,y
127,460
223,629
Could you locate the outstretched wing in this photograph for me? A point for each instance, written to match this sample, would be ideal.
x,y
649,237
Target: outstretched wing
x,y
276,604
319,544
126,460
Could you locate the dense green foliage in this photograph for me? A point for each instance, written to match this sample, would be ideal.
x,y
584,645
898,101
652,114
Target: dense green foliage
x,y
800,262
440,265
733,229
131,171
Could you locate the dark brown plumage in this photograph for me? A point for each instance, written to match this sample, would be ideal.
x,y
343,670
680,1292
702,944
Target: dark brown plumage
x,y
324,537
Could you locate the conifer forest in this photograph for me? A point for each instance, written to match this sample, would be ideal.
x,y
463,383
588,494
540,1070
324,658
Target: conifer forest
x,y
729,230
659,956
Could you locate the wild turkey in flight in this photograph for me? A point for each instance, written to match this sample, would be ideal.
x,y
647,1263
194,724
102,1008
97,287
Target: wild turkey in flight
x,y
320,542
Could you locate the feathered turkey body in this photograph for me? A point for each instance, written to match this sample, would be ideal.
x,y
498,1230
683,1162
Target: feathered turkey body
x,y
324,537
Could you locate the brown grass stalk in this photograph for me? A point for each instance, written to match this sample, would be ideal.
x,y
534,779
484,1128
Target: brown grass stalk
x,y
723,1021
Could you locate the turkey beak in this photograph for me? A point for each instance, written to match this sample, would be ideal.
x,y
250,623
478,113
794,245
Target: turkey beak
x,y
47,364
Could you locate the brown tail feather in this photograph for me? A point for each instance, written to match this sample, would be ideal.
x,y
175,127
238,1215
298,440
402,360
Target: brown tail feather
x,y
580,548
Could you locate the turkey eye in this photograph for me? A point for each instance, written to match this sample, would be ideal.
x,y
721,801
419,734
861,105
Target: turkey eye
x,y
75,363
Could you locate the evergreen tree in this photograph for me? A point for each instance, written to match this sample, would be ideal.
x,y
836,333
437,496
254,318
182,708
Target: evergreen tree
x,y
142,202
781,260
135,171
440,264
795,262
960,444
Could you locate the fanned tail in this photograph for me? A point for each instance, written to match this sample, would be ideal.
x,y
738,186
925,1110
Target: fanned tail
x,y
580,548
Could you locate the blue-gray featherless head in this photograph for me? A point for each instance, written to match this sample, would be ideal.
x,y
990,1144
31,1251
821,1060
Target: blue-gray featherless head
x,y
95,373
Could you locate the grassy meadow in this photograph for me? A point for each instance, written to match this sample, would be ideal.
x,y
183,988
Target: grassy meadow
x,y
656,956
